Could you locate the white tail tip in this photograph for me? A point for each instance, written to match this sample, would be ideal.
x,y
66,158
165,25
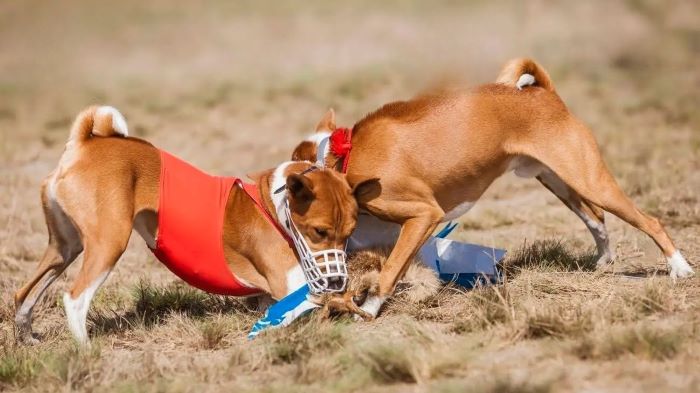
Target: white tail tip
x,y
118,120
525,80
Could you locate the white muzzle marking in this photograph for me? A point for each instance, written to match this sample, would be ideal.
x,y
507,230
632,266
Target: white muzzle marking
x,y
325,271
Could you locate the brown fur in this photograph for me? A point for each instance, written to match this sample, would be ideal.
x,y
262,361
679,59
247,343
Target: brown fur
x,y
106,185
435,152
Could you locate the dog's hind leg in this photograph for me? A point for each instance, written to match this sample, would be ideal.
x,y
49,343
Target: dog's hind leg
x,y
97,264
574,157
591,215
50,267
63,247
105,222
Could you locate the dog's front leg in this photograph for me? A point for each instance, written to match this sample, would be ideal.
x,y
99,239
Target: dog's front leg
x,y
414,232
343,304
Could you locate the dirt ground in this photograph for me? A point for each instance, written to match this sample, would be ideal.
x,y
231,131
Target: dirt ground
x,y
233,86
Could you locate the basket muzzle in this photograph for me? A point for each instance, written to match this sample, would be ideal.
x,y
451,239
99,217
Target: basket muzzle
x,y
325,271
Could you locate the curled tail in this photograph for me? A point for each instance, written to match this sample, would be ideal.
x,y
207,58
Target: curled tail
x,y
523,72
101,121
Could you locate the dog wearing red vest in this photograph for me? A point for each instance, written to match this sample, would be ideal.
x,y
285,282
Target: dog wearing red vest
x,y
215,233
434,156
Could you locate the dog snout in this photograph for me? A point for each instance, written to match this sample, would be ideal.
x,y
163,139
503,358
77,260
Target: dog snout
x,y
335,283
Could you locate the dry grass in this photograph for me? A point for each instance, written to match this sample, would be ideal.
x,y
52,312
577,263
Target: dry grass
x,y
548,255
233,86
640,341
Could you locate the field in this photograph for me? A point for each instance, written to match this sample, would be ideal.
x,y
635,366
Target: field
x,y
233,86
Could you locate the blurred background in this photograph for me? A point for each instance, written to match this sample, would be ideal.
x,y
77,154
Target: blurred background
x,y
244,80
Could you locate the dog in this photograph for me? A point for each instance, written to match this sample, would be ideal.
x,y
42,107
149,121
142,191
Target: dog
x,y
234,240
433,156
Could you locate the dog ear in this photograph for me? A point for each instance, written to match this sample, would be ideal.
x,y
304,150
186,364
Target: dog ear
x,y
367,190
327,122
300,188
305,151
256,176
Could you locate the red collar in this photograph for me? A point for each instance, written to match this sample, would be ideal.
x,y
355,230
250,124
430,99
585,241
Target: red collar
x,y
341,144
253,192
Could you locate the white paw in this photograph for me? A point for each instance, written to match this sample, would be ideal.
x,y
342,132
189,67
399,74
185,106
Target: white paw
x,y
372,305
679,266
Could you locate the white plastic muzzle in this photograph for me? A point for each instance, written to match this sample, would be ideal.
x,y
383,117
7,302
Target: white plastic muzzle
x,y
326,270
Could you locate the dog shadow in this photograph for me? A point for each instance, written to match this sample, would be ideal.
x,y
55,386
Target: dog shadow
x,y
154,305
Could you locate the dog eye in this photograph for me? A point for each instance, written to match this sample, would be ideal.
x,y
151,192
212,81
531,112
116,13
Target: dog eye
x,y
321,232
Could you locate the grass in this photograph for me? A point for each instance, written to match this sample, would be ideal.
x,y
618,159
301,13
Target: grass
x,y
656,296
68,365
641,341
213,334
556,322
233,87
486,307
153,303
18,367
550,255
304,340
502,383
389,363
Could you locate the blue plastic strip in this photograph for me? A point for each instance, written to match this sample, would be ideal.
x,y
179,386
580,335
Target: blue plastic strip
x,y
449,227
282,313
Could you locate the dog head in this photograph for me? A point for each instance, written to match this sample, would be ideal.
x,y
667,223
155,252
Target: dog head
x,y
307,149
321,204
318,210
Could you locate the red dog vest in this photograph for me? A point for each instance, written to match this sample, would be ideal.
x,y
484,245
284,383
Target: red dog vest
x,y
190,227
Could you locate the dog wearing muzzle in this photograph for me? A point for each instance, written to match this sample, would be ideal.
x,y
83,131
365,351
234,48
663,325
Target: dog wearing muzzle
x,y
216,233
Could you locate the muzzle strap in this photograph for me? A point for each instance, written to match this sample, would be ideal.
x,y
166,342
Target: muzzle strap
x,y
253,192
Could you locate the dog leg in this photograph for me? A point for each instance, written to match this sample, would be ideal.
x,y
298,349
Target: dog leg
x,y
414,232
103,247
64,246
98,263
343,304
575,159
50,267
591,215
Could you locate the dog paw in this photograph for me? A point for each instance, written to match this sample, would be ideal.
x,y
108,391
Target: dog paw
x,y
29,339
605,261
679,266
372,305
362,316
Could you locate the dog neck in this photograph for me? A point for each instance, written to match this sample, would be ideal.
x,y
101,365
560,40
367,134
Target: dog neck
x,y
278,199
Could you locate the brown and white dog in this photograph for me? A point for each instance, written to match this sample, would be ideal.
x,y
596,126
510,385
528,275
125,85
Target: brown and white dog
x,y
436,154
107,183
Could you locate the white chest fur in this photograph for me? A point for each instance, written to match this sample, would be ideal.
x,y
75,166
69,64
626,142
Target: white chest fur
x,y
458,211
